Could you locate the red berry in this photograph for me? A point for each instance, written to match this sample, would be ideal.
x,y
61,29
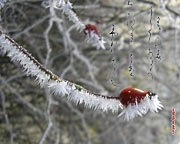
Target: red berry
x,y
89,28
131,96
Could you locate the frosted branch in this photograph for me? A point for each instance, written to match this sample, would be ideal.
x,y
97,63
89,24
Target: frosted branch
x,y
66,6
56,85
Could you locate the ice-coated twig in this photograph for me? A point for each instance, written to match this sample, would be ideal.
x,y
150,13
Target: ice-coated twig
x,y
56,85
92,36
67,8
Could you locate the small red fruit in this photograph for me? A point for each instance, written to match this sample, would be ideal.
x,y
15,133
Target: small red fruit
x,y
137,102
132,96
91,28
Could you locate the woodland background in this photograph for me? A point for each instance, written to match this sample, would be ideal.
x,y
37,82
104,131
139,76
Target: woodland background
x,y
55,42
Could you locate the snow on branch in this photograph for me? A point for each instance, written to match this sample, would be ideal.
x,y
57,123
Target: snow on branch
x,y
135,102
91,31
67,8
56,85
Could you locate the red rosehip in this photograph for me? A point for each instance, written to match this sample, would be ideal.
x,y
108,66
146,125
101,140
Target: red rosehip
x,y
137,102
131,96
91,28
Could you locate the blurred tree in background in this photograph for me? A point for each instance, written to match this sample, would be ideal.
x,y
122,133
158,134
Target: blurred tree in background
x,y
143,53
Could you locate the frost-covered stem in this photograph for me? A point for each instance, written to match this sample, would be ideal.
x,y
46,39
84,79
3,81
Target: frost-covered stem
x,y
56,85
45,134
31,58
78,54
48,115
46,34
67,8
91,35
47,42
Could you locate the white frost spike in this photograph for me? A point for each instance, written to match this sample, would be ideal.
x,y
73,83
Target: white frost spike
x,y
95,40
18,56
59,88
83,97
139,109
